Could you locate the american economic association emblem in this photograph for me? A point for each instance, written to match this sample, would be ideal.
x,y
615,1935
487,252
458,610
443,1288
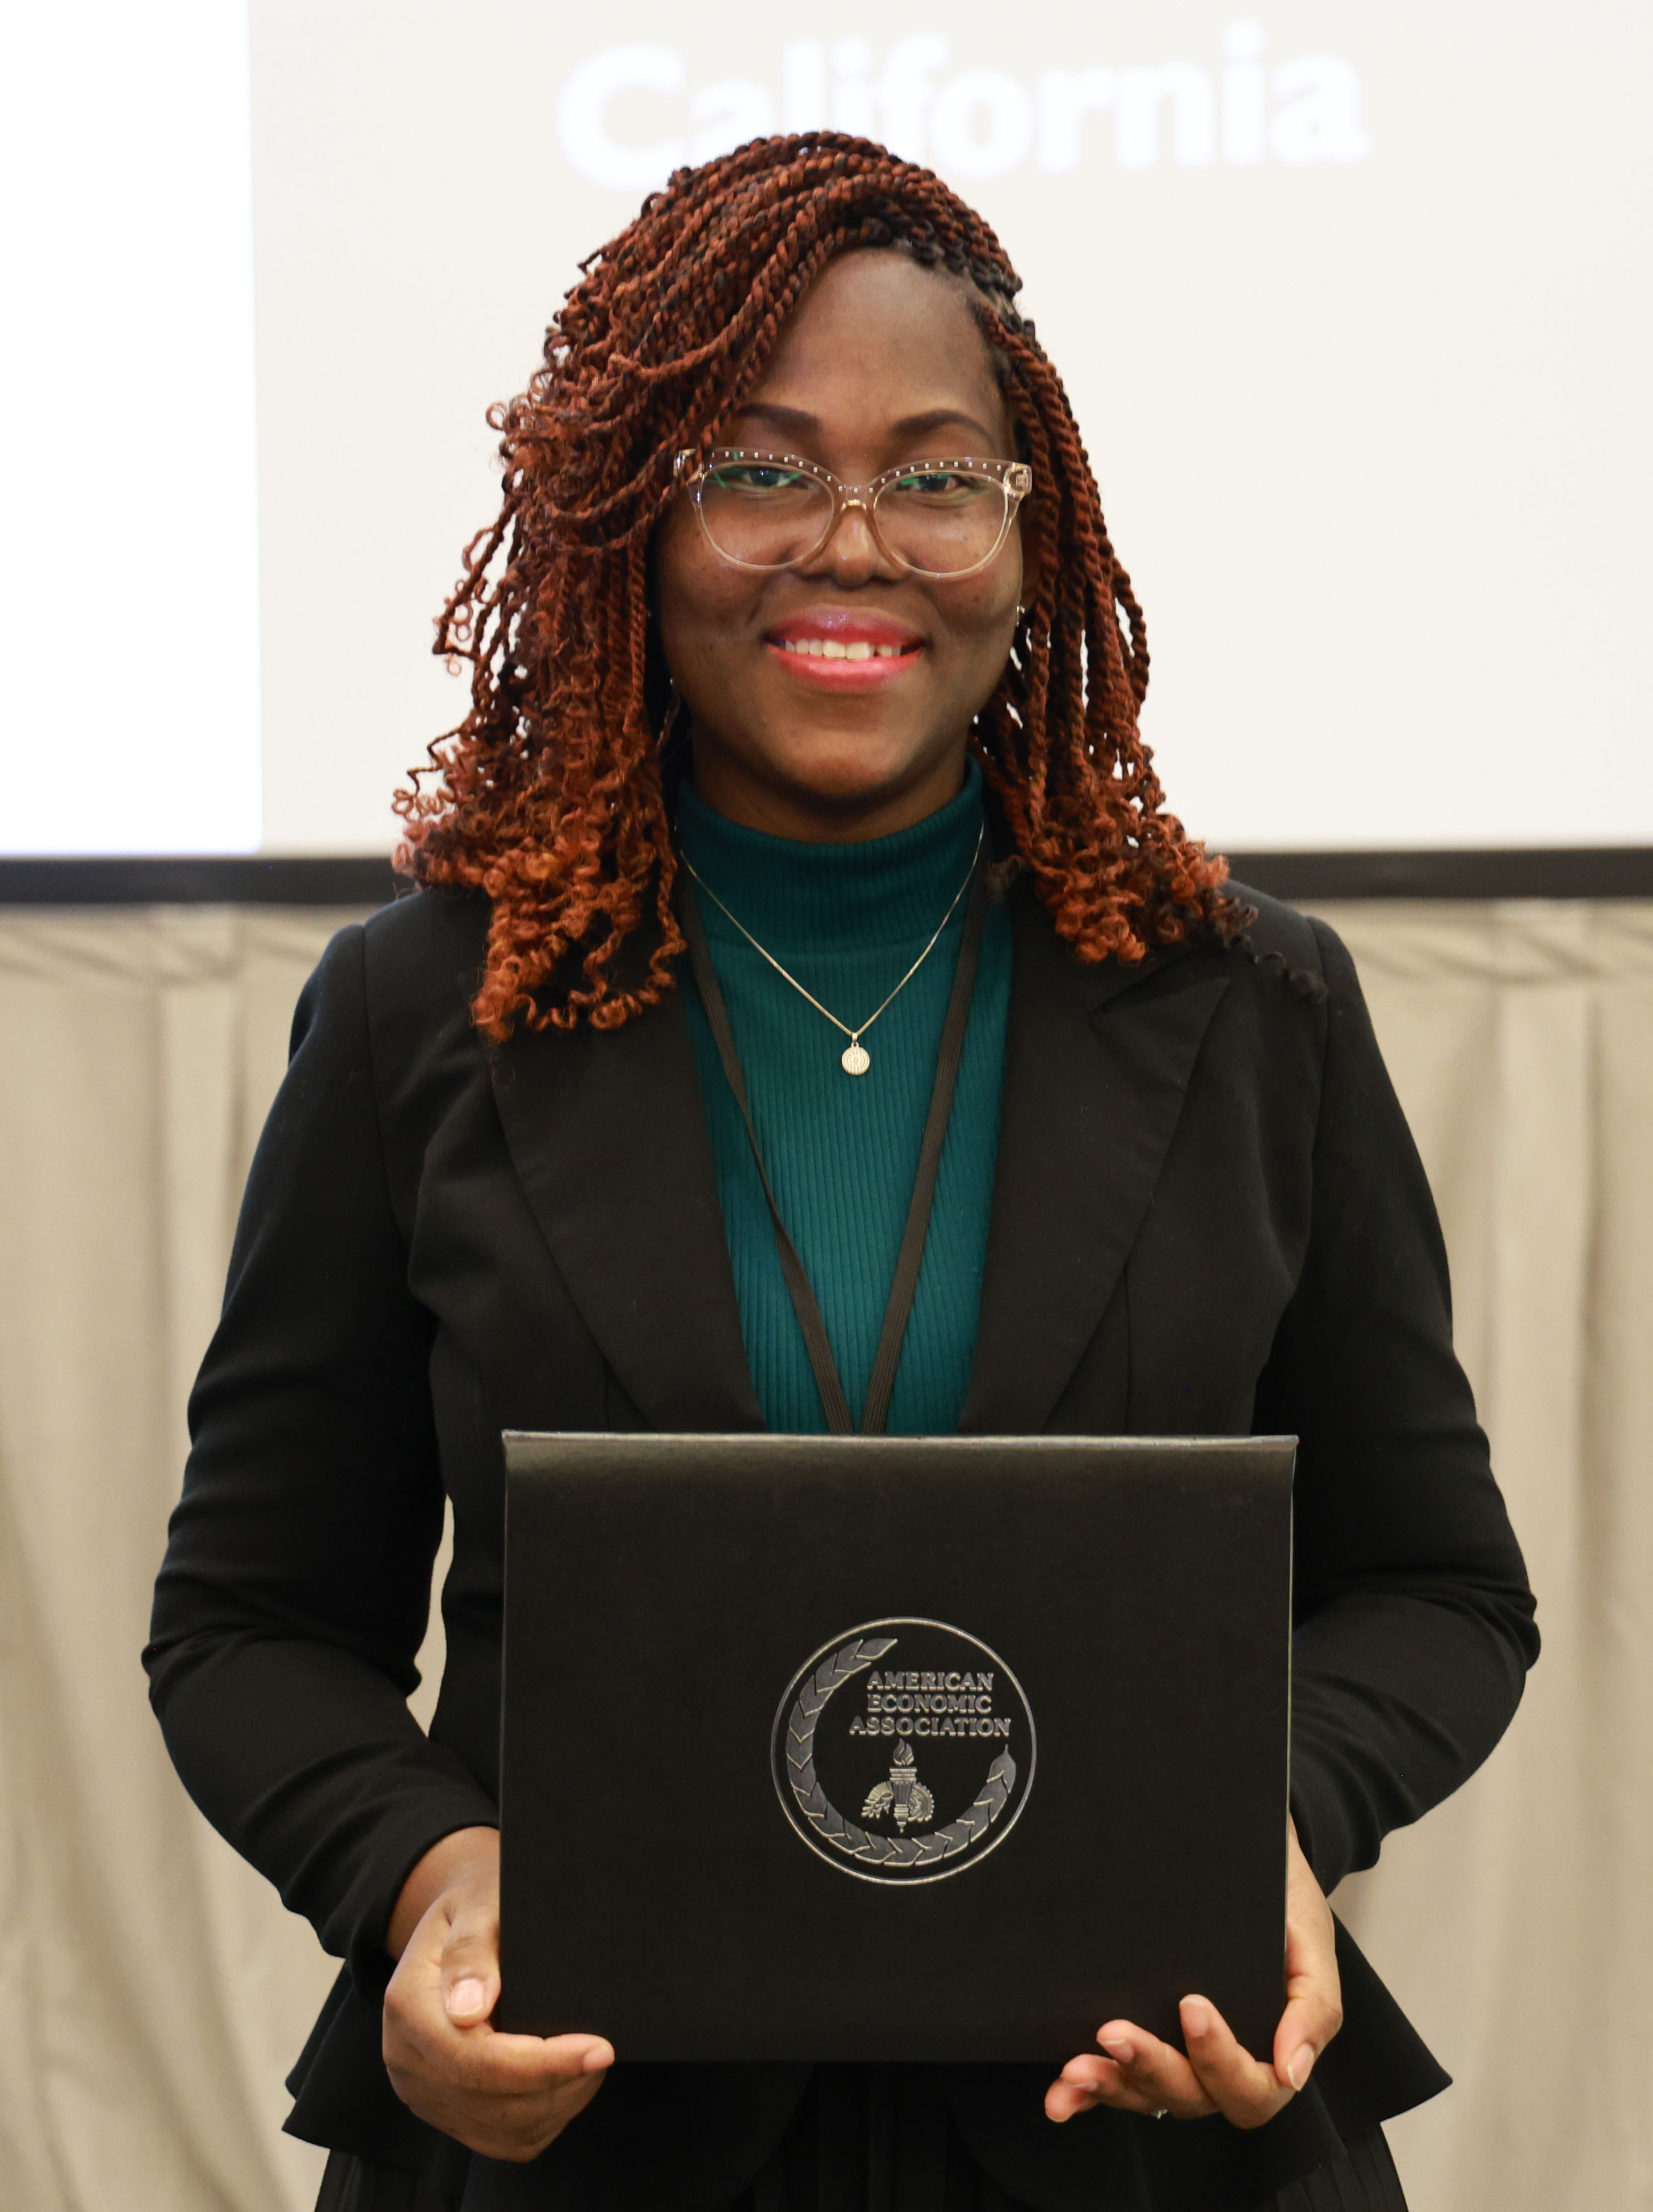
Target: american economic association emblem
x,y
903,1751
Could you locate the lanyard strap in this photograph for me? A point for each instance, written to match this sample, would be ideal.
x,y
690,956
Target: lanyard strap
x,y
910,1258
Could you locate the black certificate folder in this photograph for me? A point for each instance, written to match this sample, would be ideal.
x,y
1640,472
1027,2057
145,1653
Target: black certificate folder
x,y
888,1749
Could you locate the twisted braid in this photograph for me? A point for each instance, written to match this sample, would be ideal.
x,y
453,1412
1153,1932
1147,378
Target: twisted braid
x,y
548,796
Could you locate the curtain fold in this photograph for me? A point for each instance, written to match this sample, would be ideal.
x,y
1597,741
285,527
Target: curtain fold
x,y
157,1990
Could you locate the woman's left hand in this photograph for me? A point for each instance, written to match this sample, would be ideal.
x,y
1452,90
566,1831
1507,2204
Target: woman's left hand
x,y
1140,2074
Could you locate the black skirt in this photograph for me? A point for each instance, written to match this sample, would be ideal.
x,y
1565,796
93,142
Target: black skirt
x,y
864,2139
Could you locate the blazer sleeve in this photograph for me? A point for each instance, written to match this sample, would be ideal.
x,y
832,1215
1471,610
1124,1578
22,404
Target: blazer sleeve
x,y
1414,1618
295,1586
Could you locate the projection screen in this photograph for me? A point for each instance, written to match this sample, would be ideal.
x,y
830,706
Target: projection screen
x,y
1350,299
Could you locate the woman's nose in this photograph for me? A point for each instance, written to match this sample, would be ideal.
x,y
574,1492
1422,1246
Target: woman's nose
x,y
851,554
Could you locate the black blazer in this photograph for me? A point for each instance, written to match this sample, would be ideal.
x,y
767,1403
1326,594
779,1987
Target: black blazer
x,y
1208,1219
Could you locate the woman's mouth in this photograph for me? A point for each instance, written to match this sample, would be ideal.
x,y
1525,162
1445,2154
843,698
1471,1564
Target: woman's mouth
x,y
836,650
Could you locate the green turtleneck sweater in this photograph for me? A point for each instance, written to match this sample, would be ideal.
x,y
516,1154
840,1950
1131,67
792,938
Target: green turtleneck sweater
x,y
848,920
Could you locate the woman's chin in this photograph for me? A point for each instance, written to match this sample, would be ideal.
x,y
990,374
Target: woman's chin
x,y
838,783
851,790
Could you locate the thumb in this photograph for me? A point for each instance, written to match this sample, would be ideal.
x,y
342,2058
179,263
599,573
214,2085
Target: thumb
x,y
1313,2006
471,1967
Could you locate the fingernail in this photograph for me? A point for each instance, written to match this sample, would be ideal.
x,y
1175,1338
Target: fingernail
x,y
596,2058
466,1997
1302,2065
1122,2053
1196,2017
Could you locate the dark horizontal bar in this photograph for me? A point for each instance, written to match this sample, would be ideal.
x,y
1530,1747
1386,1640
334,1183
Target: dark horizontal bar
x,y
1583,871
205,879
1573,871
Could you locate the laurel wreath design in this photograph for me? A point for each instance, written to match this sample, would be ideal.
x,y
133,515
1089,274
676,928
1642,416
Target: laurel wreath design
x,y
897,1854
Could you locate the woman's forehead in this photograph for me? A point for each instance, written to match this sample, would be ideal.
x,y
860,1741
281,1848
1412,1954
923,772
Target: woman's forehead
x,y
877,334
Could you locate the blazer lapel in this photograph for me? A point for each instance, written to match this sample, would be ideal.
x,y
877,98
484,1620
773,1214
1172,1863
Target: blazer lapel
x,y
607,1134
1096,1064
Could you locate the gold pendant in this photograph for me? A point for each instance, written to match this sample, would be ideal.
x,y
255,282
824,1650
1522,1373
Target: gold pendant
x,y
855,1059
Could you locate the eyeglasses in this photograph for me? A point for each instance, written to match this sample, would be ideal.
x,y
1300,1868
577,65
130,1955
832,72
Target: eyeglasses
x,y
777,510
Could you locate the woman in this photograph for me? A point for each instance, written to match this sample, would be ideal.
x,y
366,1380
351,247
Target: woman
x,y
800,613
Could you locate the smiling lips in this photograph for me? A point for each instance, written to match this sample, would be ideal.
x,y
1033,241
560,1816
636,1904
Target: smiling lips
x,y
836,648
837,651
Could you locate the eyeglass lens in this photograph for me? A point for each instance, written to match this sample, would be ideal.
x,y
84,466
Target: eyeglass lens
x,y
768,516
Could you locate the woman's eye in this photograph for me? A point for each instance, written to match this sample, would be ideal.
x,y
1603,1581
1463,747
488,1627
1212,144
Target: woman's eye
x,y
940,484
752,476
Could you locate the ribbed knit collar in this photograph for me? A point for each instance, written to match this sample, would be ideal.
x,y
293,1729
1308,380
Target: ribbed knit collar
x,y
830,897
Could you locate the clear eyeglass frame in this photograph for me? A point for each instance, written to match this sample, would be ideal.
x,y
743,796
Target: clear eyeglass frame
x,y
1013,478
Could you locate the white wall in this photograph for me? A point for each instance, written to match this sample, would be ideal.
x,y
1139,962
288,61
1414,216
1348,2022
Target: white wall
x,y
129,679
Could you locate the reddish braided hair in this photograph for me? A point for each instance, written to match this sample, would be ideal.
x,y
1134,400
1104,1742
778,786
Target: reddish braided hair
x,y
549,795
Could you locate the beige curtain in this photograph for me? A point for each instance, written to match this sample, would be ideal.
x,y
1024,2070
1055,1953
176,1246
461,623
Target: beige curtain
x,y
156,1992
1516,1923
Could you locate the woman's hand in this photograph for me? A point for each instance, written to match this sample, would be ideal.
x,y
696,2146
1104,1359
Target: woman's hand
x,y
506,2096
1140,2074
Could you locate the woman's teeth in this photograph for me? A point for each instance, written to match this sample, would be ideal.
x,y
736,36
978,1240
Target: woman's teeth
x,y
833,648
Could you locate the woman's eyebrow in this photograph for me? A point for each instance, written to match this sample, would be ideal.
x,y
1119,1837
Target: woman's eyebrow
x,y
800,422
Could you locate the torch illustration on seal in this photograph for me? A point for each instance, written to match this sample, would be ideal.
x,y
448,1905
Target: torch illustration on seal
x,y
903,1794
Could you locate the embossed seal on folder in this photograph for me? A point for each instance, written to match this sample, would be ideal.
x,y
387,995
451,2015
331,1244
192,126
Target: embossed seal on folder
x,y
903,1751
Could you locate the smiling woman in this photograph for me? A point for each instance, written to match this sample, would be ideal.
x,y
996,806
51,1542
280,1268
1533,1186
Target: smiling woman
x,y
804,694
845,325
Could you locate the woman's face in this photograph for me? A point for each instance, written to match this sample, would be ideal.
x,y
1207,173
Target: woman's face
x,y
882,364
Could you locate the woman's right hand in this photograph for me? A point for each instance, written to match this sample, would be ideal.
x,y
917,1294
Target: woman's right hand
x,y
505,2096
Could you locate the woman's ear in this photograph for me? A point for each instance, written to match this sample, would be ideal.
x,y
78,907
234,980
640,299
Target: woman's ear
x,y
667,717
1035,527
667,711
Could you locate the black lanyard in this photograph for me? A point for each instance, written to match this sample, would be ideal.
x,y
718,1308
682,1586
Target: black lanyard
x,y
910,1258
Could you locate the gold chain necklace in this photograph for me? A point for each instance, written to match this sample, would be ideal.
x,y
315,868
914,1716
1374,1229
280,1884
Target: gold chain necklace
x,y
855,1059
